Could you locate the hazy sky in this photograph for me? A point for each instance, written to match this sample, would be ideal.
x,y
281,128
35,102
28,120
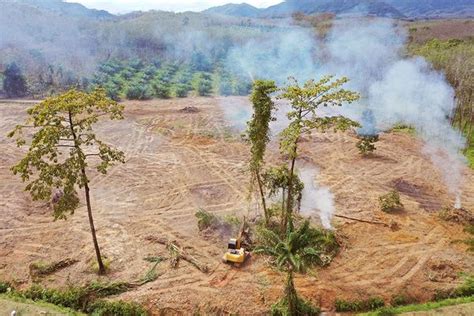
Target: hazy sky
x,y
123,6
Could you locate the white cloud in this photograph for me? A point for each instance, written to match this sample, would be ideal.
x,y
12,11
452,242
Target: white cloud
x,y
124,6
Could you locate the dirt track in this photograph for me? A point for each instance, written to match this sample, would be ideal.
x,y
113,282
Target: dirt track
x,y
180,161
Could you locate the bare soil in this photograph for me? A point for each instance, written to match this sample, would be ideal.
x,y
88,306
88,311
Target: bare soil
x,y
180,161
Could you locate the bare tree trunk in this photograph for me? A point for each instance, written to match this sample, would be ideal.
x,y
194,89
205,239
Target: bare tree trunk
x,y
91,224
88,200
289,199
262,196
282,200
290,293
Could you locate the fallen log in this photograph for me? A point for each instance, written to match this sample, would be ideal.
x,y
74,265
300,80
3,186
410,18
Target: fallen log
x,y
179,253
361,220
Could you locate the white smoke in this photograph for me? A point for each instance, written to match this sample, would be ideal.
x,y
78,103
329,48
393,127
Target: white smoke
x,y
412,93
316,199
394,89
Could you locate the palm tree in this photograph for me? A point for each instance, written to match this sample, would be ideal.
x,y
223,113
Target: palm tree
x,y
298,250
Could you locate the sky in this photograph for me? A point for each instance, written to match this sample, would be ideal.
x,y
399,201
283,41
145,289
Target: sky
x,y
124,6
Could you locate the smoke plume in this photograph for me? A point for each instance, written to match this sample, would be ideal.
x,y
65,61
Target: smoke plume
x,y
394,89
316,199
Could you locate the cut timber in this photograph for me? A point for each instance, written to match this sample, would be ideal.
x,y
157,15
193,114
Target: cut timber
x,y
362,220
179,253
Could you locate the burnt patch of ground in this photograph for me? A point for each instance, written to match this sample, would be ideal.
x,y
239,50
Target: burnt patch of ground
x,y
419,193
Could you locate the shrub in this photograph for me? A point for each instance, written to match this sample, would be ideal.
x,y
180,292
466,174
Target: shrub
x,y
84,299
304,308
401,299
106,262
4,287
347,306
118,308
403,128
232,220
466,289
74,297
390,202
371,303
205,219
366,144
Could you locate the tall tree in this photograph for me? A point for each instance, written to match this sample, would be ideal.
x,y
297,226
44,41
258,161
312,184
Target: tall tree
x,y
14,83
305,101
62,147
258,131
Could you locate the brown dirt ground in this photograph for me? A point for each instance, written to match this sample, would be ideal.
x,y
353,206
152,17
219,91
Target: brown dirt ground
x,y
178,161
444,29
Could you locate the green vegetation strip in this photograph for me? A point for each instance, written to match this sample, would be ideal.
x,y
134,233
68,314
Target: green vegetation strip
x,y
24,306
88,299
420,307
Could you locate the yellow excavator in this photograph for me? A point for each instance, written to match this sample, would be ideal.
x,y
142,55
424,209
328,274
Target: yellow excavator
x,y
235,253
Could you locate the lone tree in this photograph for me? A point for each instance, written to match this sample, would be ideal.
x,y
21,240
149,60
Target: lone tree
x,y
305,101
258,131
14,83
61,149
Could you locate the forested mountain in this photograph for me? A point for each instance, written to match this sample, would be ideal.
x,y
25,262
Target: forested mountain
x,y
414,9
340,7
242,10
434,8
63,8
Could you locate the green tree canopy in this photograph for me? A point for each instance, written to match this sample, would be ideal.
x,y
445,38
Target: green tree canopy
x,y
62,149
258,130
305,100
14,83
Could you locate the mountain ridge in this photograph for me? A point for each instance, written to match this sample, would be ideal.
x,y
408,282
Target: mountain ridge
x,y
60,7
412,9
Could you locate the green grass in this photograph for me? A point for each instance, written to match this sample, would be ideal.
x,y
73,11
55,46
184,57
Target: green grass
x,y
24,306
402,128
359,306
420,307
88,299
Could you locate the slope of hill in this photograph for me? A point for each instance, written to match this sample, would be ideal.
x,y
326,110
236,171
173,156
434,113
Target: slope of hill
x,y
381,8
63,8
434,8
241,10
342,7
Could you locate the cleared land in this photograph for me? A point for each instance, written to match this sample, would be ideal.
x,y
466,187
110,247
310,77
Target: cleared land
x,y
179,161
